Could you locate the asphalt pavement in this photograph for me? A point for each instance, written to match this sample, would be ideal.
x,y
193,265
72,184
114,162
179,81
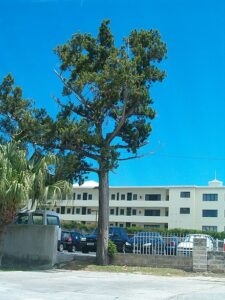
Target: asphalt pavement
x,y
85,285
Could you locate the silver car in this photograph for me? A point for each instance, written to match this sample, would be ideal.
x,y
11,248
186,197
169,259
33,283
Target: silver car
x,y
186,246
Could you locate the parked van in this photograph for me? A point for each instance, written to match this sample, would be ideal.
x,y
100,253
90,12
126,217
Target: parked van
x,y
40,217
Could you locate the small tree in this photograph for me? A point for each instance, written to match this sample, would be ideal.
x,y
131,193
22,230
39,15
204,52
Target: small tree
x,y
109,107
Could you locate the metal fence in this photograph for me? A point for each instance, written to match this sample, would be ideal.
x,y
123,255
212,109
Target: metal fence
x,y
168,244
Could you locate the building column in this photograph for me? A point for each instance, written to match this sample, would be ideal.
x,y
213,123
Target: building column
x,y
200,255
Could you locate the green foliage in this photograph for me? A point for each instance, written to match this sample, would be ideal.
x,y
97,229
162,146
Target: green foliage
x,y
15,181
45,184
72,225
177,231
112,250
110,87
22,180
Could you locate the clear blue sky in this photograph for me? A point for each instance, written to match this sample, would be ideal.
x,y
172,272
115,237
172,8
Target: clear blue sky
x,y
188,138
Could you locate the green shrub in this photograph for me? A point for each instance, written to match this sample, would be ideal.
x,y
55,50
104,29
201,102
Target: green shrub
x,y
112,250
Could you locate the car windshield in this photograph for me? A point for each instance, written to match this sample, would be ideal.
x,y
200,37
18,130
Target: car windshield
x,y
190,238
112,231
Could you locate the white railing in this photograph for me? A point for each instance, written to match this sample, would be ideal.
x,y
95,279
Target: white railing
x,y
168,244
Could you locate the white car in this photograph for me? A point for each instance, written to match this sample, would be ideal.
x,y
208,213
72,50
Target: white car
x,y
186,247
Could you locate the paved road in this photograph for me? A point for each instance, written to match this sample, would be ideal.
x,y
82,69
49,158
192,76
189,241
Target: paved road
x,y
84,285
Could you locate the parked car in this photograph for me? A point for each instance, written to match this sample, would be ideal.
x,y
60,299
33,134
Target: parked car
x,y
116,234
70,241
186,246
171,243
146,243
40,217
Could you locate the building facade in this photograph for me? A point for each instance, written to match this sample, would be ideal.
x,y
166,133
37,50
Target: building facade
x,y
188,207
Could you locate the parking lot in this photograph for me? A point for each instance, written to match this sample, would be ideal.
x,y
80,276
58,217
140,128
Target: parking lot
x,y
79,285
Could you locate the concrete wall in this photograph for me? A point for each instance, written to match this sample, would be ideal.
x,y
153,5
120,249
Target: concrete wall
x,y
216,262
27,246
159,261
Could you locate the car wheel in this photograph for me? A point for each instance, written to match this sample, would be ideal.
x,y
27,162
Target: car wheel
x,y
61,248
85,250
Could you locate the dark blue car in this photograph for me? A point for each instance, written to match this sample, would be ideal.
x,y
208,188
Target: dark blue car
x,y
116,234
146,243
70,241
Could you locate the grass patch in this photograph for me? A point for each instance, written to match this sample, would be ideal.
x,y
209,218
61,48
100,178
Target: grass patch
x,y
85,266
75,265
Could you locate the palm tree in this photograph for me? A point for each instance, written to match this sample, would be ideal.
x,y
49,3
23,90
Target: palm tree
x,y
23,180
15,181
44,184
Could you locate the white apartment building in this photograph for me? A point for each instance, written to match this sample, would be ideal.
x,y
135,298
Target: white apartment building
x,y
188,207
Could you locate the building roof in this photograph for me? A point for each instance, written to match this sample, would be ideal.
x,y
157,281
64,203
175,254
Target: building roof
x,y
91,184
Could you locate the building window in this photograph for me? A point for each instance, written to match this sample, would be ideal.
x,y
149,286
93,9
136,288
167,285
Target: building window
x,y
123,197
185,194
152,197
121,211
210,197
121,225
151,226
89,211
83,211
213,213
58,210
118,196
113,197
209,228
74,196
152,212
85,196
129,196
134,196
77,211
134,212
68,211
111,211
185,210
79,197
128,211
89,196
63,210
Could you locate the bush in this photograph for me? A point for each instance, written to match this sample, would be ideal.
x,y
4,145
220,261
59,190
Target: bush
x,y
72,225
112,250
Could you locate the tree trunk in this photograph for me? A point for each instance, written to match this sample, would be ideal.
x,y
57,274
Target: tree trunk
x,y
103,219
2,234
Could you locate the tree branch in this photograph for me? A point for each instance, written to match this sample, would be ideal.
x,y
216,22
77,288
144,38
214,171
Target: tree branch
x,y
89,169
122,120
78,95
136,156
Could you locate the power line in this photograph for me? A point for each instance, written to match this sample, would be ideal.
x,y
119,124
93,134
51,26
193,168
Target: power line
x,y
191,157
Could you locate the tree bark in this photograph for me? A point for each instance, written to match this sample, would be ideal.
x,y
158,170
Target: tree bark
x,y
103,219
